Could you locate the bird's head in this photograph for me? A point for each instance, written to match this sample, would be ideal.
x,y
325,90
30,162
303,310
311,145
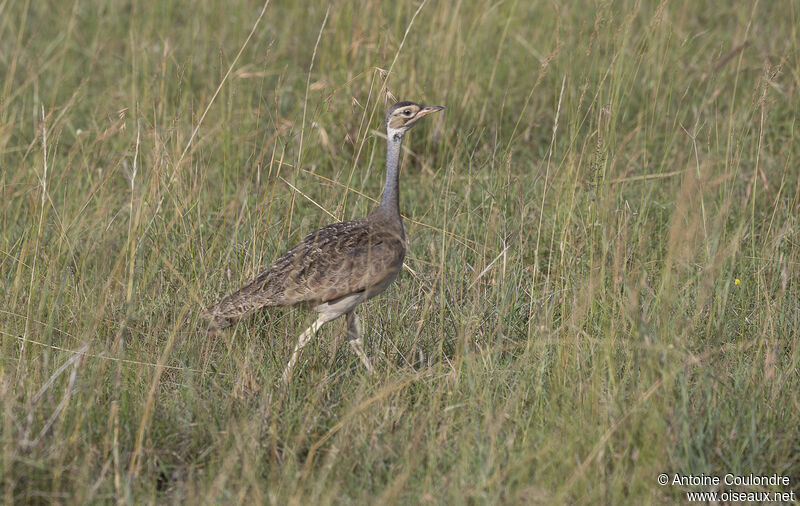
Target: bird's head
x,y
403,115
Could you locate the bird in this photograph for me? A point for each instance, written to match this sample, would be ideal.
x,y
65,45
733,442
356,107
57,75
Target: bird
x,y
337,267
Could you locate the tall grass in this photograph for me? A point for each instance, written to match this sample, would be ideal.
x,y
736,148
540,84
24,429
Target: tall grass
x,y
601,283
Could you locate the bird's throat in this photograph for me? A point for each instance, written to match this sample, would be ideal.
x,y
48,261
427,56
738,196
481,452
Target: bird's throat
x,y
390,201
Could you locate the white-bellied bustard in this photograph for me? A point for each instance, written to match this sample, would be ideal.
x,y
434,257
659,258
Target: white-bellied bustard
x,y
339,266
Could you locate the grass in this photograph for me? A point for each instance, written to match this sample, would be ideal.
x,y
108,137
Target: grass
x,y
570,324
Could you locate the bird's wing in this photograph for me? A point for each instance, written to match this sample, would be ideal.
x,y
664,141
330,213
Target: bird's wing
x,y
337,260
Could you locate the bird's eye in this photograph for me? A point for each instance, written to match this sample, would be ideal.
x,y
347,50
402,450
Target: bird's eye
x,y
407,112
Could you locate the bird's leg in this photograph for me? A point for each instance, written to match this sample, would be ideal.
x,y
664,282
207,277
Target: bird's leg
x,y
354,336
303,340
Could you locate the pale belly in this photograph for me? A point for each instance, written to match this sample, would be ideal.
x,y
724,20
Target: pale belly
x,y
347,303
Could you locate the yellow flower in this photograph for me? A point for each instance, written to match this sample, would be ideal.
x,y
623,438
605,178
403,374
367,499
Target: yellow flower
x,y
736,282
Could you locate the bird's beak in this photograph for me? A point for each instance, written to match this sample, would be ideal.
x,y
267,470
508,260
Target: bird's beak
x,y
428,110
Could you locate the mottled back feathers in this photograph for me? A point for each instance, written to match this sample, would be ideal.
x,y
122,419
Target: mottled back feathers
x,y
337,260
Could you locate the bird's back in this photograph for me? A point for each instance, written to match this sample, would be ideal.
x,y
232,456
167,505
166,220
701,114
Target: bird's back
x,y
335,261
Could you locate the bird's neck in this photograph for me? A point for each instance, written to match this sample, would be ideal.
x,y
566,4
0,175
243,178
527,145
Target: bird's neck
x,y
390,201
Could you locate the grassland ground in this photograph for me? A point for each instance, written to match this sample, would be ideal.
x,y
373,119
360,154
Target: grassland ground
x,y
602,275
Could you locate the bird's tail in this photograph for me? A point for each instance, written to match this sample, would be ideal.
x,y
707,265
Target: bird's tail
x,y
217,320
234,306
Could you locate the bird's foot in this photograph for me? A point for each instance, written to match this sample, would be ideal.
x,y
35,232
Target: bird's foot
x,y
359,350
